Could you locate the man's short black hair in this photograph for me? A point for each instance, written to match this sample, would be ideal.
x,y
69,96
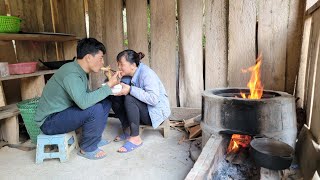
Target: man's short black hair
x,y
89,46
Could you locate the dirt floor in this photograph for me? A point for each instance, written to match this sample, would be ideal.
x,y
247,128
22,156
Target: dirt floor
x,y
158,158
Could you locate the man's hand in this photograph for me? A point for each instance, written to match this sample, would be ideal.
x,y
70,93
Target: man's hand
x,y
115,79
124,91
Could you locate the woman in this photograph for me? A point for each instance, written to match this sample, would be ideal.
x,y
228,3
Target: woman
x,y
143,99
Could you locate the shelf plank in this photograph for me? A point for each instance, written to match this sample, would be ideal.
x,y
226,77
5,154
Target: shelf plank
x,y
8,111
38,37
37,73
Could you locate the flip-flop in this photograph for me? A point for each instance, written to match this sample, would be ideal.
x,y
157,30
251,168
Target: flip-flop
x,y
123,137
129,146
91,155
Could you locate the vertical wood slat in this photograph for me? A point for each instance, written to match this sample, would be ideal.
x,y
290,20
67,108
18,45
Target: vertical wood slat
x,y
114,30
30,11
312,58
69,18
190,53
272,42
302,76
242,28
97,30
3,11
163,44
216,47
138,27
294,41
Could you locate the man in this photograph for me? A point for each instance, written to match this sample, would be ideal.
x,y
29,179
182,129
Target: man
x,y
66,103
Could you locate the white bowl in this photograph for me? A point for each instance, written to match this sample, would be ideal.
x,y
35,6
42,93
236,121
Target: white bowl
x,y
116,89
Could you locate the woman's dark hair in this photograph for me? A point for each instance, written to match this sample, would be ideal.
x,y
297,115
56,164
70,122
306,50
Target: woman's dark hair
x,y
131,56
89,46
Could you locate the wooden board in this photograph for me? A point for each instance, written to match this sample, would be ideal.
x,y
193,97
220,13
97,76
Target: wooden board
x,y
163,44
315,113
114,31
3,10
302,76
312,62
32,87
242,30
216,47
272,42
138,27
8,111
191,82
97,30
294,41
181,113
31,13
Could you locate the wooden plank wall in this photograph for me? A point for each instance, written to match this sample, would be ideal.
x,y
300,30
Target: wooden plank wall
x,y
190,52
231,39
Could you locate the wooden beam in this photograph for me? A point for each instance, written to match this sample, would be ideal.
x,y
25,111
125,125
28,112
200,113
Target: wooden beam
x,y
216,62
242,30
37,37
8,111
191,82
163,45
313,8
19,76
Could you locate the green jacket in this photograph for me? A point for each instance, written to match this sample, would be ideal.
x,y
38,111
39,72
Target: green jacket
x,y
68,87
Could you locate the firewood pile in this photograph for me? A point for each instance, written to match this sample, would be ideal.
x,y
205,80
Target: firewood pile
x,y
190,126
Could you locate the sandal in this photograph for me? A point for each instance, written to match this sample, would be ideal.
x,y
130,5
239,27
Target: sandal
x,y
129,146
91,155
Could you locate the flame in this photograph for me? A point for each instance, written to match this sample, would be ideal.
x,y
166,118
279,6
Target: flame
x,y
255,85
238,140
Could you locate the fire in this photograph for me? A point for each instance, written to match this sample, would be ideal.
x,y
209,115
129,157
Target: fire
x,y
238,140
255,85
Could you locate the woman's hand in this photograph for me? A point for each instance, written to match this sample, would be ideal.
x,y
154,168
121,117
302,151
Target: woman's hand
x,y
124,91
115,79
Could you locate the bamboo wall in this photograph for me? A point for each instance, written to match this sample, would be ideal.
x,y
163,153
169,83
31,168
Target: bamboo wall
x,y
191,44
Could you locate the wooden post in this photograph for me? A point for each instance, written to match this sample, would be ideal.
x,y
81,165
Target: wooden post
x,y
10,130
242,30
32,87
216,61
137,27
272,42
163,44
190,53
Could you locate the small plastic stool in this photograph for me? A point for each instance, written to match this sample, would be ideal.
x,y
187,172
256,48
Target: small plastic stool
x,y
61,140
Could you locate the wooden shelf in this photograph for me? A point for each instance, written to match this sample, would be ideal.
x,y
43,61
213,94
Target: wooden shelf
x,y
38,37
37,73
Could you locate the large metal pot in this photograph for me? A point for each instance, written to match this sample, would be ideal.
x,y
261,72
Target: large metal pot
x,y
271,154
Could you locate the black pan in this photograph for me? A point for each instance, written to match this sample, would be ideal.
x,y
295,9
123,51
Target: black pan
x,y
271,154
56,64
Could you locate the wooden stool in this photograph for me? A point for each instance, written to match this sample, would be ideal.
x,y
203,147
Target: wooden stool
x,y
165,126
64,148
